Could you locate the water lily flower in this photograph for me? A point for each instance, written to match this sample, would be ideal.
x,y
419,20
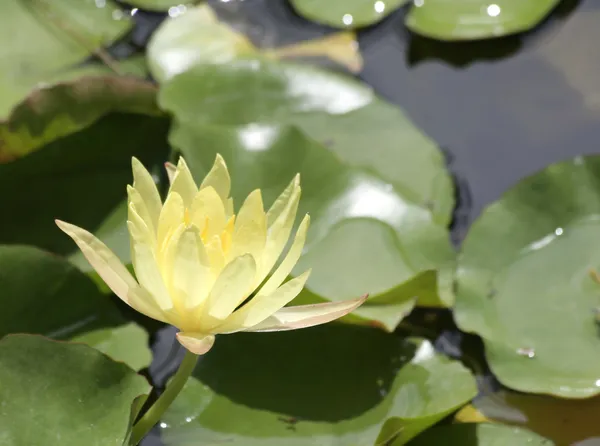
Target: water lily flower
x,y
204,269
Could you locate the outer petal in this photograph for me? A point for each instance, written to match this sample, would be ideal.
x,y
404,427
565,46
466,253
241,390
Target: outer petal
x,y
207,212
183,183
282,201
233,286
279,231
147,271
171,169
261,307
171,217
195,342
290,260
250,231
144,184
218,178
111,270
303,316
137,206
191,277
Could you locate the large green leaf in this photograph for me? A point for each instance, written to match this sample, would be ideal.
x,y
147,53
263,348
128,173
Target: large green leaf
x,y
199,37
46,37
346,13
476,19
60,109
45,294
335,384
526,281
62,394
478,435
378,217
175,7
80,178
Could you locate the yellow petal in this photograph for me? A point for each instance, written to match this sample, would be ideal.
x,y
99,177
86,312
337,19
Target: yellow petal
x,y
250,231
282,201
196,343
261,307
171,169
191,276
290,260
148,273
279,231
110,269
303,316
137,206
215,253
218,178
232,287
171,217
208,213
144,184
183,183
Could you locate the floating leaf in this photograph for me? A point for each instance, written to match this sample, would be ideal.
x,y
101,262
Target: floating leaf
x,y
58,110
44,294
346,13
478,435
80,178
566,422
64,394
49,36
526,281
334,384
175,7
198,37
479,19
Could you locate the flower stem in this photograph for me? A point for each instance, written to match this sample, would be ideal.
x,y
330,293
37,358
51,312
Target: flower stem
x,y
153,415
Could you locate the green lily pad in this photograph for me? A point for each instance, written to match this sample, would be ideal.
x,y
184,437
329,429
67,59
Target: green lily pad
x,y
80,178
175,7
475,19
335,384
346,13
64,394
478,435
47,37
58,110
526,281
378,221
44,294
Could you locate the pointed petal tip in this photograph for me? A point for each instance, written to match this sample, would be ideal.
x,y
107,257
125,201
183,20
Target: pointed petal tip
x,y
194,343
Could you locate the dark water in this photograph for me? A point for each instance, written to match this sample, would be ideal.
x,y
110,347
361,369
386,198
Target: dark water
x,y
500,109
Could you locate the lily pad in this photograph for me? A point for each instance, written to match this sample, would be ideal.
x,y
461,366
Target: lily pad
x,y
379,220
478,435
335,384
46,37
163,5
58,110
64,394
79,178
526,281
346,13
45,294
199,37
479,19
563,421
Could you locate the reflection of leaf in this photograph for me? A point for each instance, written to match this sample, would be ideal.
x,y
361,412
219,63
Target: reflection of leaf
x,y
64,394
198,37
524,281
346,13
479,19
44,294
365,236
565,422
333,384
478,435
47,37
80,178
64,108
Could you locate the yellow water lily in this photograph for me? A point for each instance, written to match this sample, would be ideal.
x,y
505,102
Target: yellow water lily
x,y
204,269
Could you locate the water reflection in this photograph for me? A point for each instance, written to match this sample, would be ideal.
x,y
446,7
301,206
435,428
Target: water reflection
x,y
379,6
347,19
493,10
